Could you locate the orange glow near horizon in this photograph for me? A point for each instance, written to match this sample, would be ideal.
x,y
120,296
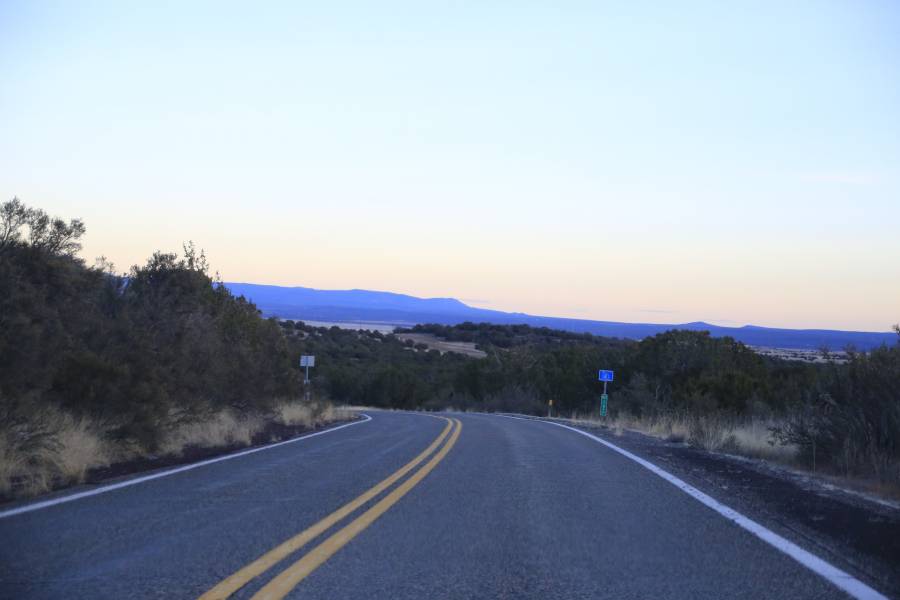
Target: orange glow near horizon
x,y
521,158
615,277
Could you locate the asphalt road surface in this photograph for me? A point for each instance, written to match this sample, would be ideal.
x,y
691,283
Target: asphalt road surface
x,y
402,506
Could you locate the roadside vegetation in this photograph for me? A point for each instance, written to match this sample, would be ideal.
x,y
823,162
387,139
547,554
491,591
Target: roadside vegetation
x,y
99,368
839,417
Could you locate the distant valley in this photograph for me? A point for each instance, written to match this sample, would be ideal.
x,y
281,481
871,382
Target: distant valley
x,y
386,308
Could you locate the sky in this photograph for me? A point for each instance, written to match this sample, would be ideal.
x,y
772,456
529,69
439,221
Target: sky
x,y
732,162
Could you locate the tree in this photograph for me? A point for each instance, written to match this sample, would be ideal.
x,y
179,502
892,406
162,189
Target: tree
x,y
13,215
50,234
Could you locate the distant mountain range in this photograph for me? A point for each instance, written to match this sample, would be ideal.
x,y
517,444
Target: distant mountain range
x,y
363,306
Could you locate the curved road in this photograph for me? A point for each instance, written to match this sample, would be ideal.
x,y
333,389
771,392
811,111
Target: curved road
x,y
499,508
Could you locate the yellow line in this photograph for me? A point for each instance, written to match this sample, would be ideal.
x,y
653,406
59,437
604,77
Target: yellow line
x,y
233,583
281,585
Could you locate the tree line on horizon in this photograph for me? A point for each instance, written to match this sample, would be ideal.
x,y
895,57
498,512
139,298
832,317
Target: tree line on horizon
x,y
846,415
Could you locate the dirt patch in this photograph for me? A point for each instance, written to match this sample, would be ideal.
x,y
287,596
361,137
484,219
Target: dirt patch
x,y
441,345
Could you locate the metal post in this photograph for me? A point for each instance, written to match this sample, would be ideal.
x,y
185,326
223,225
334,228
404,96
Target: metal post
x,y
306,362
603,401
605,377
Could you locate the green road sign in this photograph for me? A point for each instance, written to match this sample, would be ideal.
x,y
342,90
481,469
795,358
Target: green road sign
x,y
604,399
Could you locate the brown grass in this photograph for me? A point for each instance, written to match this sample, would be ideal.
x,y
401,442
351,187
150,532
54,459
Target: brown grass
x,y
295,413
81,447
754,439
314,415
13,464
749,437
54,449
228,429
220,430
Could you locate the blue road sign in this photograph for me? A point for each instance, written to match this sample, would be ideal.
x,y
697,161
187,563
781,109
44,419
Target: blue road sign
x,y
606,375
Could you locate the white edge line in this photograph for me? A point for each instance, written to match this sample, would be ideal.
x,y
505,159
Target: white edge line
x,y
835,576
122,484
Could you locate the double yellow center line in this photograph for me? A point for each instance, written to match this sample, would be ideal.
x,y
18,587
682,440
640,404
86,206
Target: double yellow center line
x,y
285,581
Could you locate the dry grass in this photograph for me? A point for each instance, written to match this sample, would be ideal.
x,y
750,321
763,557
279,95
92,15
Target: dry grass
x,y
330,414
673,429
227,429
51,448
295,413
754,439
311,415
751,437
13,463
221,429
82,447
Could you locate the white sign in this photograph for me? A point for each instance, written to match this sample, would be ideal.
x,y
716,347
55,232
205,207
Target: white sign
x,y
307,361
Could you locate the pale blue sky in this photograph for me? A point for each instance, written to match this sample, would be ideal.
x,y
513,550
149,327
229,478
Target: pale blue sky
x,y
641,161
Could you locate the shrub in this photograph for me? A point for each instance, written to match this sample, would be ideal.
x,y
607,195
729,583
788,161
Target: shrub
x,y
853,424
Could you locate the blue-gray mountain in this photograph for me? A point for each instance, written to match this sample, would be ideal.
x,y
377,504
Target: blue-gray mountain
x,y
385,307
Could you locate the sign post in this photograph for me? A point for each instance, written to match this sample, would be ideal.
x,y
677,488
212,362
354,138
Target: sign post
x,y
605,377
307,361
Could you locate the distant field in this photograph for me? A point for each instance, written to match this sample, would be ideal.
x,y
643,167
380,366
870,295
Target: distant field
x,y
435,343
357,326
468,348
810,356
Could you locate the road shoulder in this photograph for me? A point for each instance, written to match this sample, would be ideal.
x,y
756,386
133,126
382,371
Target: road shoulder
x,y
856,534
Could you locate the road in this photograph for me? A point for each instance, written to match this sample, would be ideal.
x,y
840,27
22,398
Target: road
x,y
487,507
